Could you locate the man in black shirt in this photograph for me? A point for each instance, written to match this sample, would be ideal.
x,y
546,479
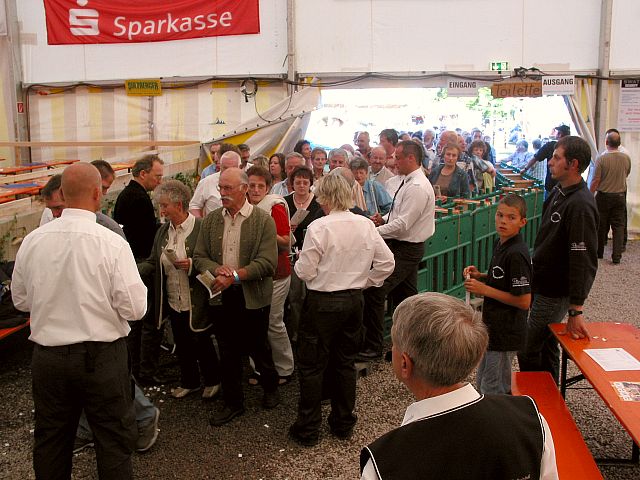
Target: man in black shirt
x,y
564,259
545,153
134,211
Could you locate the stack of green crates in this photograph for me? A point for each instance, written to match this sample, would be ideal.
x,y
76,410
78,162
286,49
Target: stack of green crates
x,y
468,238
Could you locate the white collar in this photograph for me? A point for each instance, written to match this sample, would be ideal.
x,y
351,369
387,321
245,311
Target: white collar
x,y
434,406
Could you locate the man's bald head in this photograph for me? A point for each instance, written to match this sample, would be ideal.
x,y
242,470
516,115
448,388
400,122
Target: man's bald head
x,y
229,159
82,186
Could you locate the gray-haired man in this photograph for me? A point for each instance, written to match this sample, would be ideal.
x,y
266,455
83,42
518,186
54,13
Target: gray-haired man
x,y
440,431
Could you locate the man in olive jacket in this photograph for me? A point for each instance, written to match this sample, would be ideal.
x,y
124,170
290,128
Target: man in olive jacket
x,y
237,244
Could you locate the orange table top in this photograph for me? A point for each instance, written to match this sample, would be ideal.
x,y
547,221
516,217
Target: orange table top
x,y
607,335
22,168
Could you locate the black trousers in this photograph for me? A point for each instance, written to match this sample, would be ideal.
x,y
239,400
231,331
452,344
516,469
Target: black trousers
x,y
328,342
144,341
196,353
401,284
612,209
93,376
240,332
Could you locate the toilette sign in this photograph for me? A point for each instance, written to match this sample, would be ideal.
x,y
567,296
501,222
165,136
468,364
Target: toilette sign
x,y
126,21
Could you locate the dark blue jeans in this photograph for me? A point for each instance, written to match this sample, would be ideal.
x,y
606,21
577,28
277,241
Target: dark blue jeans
x,y
328,342
541,351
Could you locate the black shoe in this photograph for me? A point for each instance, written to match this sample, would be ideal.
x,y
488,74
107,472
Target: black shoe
x,y
225,415
615,262
368,356
311,441
271,400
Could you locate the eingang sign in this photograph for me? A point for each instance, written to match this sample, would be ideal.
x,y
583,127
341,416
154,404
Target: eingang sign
x,y
124,21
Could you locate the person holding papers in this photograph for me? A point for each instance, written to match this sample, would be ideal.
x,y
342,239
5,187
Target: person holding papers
x,y
179,295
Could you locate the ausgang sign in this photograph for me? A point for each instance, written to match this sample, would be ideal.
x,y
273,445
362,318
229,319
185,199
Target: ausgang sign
x,y
516,89
558,85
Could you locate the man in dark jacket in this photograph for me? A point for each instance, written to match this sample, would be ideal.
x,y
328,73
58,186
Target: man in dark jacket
x,y
564,258
134,211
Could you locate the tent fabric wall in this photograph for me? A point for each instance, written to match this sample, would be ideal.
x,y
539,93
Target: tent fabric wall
x,y
631,142
220,56
106,114
445,35
7,120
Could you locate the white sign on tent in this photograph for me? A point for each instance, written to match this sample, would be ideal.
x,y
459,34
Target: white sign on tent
x,y
629,106
558,85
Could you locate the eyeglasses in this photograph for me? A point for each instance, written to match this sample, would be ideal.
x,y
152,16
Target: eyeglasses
x,y
228,188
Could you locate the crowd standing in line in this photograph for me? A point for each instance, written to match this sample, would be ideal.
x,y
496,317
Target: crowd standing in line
x,y
291,261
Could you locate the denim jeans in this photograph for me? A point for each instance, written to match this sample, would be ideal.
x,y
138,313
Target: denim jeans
x,y
145,412
494,372
541,351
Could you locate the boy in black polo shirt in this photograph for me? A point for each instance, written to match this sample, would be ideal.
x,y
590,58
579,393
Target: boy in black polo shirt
x,y
506,288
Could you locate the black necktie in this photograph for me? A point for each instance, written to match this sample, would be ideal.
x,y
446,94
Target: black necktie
x,y
393,202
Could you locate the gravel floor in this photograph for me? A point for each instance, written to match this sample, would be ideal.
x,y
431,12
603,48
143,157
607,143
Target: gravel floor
x,y
255,446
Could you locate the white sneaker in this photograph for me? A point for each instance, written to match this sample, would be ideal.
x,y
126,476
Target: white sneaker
x,y
210,392
181,392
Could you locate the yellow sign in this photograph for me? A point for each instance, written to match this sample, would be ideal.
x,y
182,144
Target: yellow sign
x,y
143,87
516,89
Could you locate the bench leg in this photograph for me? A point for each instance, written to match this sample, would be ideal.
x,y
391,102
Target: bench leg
x,y
563,374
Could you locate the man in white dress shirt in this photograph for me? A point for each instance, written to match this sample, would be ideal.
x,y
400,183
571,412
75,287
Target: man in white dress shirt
x,y
342,254
80,355
206,198
441,434
409,223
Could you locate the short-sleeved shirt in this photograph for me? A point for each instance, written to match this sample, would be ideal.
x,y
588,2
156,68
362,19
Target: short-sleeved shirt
x,y
509,271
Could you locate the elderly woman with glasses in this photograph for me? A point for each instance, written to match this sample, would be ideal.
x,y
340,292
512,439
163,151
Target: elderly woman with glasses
x,y
375,196
178,294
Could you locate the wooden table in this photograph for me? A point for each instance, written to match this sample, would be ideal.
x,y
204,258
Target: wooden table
x,y
28,167
11,191
605,335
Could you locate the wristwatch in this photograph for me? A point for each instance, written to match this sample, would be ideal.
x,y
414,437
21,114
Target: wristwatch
x,y
574,313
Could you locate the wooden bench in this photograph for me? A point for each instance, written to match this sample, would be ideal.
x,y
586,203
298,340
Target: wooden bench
x,y
5,332
573,458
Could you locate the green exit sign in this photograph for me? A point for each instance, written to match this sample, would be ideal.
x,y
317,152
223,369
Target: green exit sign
x,y
499,66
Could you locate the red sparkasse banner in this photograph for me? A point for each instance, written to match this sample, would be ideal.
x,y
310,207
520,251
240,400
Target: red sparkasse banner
x,y
133,21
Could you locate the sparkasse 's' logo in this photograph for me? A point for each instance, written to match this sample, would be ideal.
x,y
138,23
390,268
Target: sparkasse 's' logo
x,y
83,21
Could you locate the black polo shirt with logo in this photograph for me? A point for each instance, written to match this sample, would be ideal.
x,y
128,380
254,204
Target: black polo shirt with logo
x,y
509,271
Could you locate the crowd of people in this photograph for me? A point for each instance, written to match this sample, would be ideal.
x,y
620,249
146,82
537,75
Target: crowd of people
x,y
290,260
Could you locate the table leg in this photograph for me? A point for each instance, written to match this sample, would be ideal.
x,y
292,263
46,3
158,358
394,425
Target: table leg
x,y
563,374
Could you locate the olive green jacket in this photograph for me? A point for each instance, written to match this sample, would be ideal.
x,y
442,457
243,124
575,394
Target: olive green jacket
x,y
258,253
152,266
